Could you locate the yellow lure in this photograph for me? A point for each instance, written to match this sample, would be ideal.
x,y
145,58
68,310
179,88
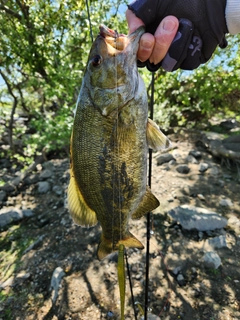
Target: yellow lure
x,y
121,277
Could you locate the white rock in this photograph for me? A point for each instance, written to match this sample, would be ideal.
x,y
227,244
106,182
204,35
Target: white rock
x,y
211,260
180,279
55,282
201,219
203,166
151,316
226,203
218,242
8,216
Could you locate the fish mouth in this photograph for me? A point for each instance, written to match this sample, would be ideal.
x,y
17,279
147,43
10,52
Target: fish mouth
x,y
119,42
113,38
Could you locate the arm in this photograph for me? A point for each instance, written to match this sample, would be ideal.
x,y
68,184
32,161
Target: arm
x,y
233,16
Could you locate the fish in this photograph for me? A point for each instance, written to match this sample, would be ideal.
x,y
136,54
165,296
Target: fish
x,y
109,144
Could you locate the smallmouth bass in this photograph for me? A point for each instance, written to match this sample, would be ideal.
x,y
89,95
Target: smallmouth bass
x,y
109,143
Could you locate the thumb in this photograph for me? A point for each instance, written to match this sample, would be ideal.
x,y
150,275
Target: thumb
x,y
133,21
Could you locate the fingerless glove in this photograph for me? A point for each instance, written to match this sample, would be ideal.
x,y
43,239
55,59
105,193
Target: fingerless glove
x,y
208,26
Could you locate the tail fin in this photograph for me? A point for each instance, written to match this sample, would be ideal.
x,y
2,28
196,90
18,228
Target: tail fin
x,y
106,246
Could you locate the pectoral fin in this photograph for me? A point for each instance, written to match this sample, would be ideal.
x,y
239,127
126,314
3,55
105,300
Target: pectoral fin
x,y
79,210
149,202
155,138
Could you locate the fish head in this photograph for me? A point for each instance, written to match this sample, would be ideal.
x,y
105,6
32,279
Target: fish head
x,y
112,67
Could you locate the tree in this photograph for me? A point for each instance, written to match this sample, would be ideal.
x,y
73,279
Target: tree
x,y
183,98
43,53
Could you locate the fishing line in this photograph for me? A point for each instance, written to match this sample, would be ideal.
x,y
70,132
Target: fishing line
x,y
149,213
89,19
130,285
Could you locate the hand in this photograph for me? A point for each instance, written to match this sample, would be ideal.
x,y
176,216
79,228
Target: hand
x,y
202,27
154,47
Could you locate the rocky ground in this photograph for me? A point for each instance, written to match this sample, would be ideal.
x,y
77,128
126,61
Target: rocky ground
x,y
49,268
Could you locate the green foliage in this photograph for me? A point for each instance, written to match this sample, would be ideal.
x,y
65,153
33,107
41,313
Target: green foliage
x,y
185,98
44,47
43,53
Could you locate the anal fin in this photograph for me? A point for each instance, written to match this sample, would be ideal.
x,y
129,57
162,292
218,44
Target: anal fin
x,y
149,202
79,210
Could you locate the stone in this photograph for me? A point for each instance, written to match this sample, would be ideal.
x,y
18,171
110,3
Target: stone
x,y
43,187
8,283
201,219
8,188
177,270
57,276
9,216
181,280
23,275
191,159
201,197
211,260
214,171
226,203
218,242
151,316
183,168
32,179
163,158
3,195
203,166
16,181
57,190
196,154
45,174
48,165
34,245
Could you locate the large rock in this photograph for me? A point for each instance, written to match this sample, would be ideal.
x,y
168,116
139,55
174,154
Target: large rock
x,y
8,216
191,217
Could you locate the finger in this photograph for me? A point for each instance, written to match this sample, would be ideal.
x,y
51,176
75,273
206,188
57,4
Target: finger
x,y
133,21
164,36
146,46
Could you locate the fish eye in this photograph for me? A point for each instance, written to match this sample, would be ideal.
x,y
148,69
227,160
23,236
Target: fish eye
x,y
96,60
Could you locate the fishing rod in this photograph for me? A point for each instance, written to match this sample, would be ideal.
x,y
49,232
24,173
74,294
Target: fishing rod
x,y
149,213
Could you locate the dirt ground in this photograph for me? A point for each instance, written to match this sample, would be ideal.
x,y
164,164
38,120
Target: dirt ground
x,y
89,288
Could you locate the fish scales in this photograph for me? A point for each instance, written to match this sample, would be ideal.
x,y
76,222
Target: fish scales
x,y
109,143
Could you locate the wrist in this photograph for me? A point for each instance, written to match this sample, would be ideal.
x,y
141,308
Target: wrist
x,y
146,10
233,16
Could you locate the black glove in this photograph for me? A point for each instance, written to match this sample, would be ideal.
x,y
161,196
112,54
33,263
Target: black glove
x,y
202,27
